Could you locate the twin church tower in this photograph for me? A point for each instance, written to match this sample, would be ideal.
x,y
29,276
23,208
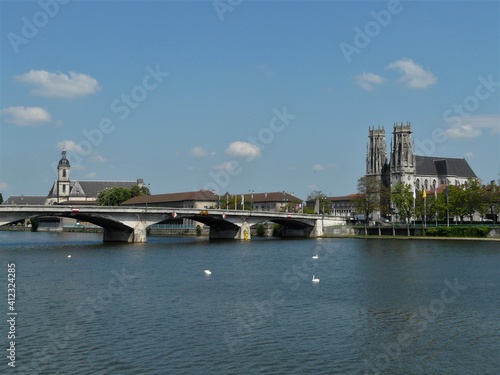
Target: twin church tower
x,y
402,165
420,172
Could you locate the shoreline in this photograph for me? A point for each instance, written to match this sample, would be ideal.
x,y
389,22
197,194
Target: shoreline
x,y
363,237
177,233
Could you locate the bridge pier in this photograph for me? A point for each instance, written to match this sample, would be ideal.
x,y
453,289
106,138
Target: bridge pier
x,y
118,235
137,234
236,232
317,230
243,232
303,231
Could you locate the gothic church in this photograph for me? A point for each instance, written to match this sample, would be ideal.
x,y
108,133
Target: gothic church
x,y
420,172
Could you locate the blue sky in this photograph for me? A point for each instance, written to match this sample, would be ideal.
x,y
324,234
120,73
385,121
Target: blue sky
x,y
241,95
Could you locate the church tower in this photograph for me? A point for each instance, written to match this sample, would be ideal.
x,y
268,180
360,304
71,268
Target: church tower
x,y
403,161
63,182
376,154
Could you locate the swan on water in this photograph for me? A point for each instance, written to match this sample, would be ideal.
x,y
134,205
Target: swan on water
x,y
315,279
69,256
207,272
315,257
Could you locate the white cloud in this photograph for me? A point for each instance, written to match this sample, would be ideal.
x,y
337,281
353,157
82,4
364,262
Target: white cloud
x,y
4,186
199,152
318,168
473,127
96,158
368,80
91,175
243,150
27,116
414,75
73,147
462,131
77,167
60,84
469,155
226,166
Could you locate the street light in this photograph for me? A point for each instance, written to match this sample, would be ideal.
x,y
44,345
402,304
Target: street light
x,y
251,199
147,193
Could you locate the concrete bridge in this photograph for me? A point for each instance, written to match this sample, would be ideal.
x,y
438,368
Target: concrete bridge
x,y
128,224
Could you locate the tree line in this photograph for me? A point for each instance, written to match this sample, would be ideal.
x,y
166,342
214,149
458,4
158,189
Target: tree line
x,y
117,195
445,202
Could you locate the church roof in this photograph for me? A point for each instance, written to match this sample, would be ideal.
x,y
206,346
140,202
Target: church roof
x,y
431,165
272,196
209,196
25,200
91,188
200,195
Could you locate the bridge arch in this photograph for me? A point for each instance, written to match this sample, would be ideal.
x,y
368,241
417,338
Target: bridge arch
x,y
129,223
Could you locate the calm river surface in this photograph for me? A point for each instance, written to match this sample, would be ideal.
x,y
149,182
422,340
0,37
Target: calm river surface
x,y
381,306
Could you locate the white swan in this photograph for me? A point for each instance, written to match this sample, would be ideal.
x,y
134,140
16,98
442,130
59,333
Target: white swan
x,y
315,279
69,256
207,272
315,257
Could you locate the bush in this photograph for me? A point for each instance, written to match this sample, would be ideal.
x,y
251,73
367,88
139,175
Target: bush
x,y
458,231
261,231
198,230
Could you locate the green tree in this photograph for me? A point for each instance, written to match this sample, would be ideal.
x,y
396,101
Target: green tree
x,y
322,204
402,199
368,198
457,201
113,196
474,198
1,198
136,191
492,200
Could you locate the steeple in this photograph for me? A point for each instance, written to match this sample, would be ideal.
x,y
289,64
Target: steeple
x,y
63,181
376,154
403,161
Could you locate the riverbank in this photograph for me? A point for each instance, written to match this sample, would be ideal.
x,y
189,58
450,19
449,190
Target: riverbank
x,y
384,237
347,232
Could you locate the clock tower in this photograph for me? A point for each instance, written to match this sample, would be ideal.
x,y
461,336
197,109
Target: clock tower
x,y
63,181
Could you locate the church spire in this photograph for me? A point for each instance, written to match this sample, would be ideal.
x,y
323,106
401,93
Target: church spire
x,y
63,181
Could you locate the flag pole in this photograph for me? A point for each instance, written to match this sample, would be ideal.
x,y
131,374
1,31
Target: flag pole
x,y
425,208
447,207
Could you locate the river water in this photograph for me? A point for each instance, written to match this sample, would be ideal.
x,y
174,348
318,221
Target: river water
x,y
381,306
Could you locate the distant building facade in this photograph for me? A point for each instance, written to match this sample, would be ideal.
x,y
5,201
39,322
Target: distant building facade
x,y
201,199
206,199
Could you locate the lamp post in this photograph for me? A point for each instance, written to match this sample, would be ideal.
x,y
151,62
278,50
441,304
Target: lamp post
x,y
251,199
147,193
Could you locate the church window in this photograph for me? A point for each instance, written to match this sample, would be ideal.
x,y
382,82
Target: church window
x,y
64,173
64,188
433,184
426,184
418,184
